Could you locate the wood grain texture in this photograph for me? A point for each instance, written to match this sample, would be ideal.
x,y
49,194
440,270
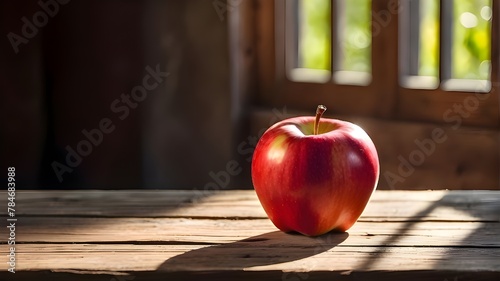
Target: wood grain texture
x,y
185,235
203,231
252,256
188,125
240,204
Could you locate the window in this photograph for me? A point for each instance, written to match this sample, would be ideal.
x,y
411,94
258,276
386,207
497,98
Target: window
x,y
405,60
447,44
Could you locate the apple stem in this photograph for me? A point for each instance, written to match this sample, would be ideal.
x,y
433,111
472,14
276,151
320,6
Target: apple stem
x,y
319,112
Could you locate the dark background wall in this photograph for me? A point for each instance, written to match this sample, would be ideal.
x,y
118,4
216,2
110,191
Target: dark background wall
x,y
71,74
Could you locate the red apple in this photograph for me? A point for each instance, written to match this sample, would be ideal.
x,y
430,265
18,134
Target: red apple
x,y
314,175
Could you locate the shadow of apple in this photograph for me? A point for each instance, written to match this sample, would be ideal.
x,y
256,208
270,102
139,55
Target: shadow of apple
x,y
265,249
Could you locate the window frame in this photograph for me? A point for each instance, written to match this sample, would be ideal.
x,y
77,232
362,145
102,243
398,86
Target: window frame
x,y
384,97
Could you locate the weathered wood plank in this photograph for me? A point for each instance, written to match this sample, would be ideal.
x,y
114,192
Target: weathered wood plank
x,y
179,230
210,195
384,206
242,275
278,253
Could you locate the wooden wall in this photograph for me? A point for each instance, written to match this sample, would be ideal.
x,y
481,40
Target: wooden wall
x,y
22,128
66,78
188,123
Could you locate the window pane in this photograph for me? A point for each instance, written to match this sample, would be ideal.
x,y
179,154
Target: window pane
x,y
419,44
471,39
428,64
314,34
355,41
352,18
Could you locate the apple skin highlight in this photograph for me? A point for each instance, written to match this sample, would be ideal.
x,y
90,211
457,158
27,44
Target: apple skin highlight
x,y
313,184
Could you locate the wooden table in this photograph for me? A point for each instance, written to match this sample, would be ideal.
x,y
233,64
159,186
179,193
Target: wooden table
x,y
195,235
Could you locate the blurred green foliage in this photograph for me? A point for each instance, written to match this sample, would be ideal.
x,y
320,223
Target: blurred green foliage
x,y
356,42
314,30
315,39
470,46
471,42
429,38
